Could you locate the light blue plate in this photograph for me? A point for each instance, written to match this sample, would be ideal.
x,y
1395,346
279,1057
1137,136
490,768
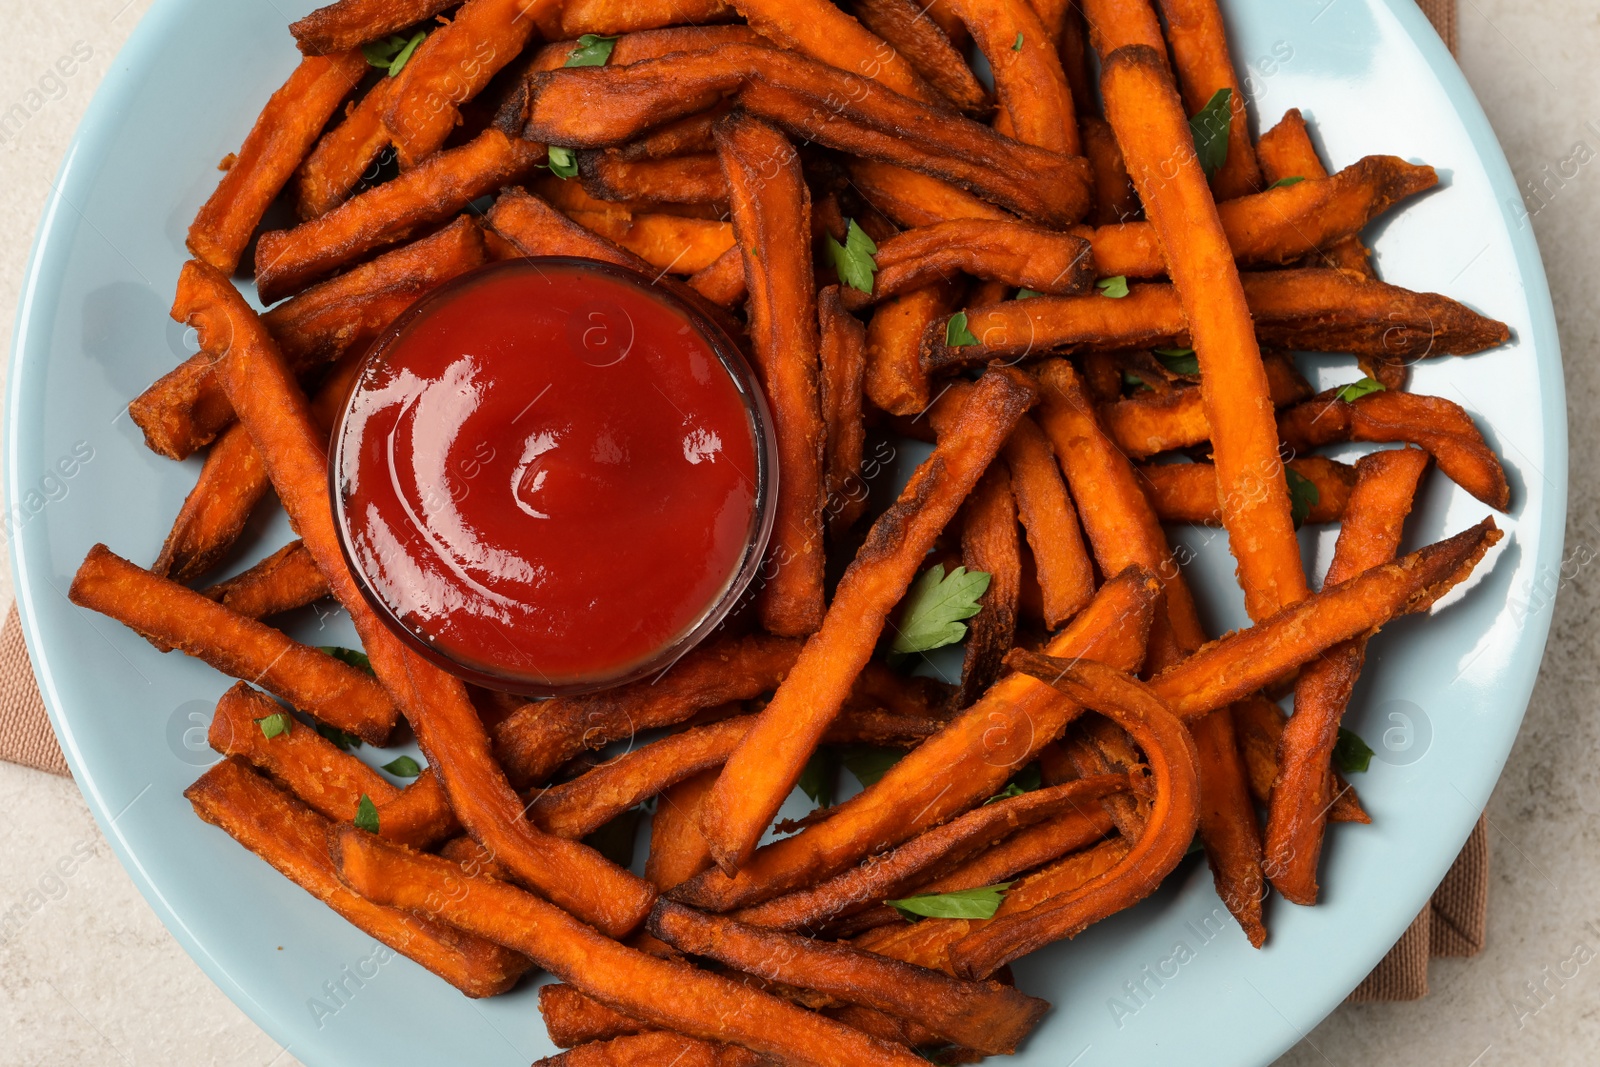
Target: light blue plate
x,y
1441,699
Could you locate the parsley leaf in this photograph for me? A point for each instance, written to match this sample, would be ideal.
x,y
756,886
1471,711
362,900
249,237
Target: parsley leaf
x,y
1210,130
615,839
820,778
932,611
403,767
980,903
1133,381
1351,754
593,50
367,815
1028,294
1115,286
351,656
279,722
853,259
956,332
342,740
563,164
1017,45
1179,360
1284,183
1356,390
1303,496
869,763
391,53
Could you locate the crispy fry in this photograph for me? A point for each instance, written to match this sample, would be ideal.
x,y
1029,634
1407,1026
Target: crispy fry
x,y
655,1047
1124,531
1063,570
818,29
1200,53
231,483
1297,814
636,46
1115,200
285,580
722,282
419,816
1028,78
343,155
914,199
1114,24
677,851
895,380
964,763
597,107
623,978
694,179
572,1018
280,139
987,1016
1174,816
1434,423
1150,422
906,27
843,359
170,616
1187,492
310,766
989,543
893,873
769,760
537,229
666,242
610,17
1259,723
1064,21
1011,252
1244,661
294,839
451,67
1286,151
352,23
771,205
1148,118
436,190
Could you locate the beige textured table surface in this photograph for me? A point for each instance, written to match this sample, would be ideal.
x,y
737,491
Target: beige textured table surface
x,y
91,977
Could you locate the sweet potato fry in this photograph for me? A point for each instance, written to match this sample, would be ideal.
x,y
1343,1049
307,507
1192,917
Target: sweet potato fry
x,y
987,1016
572,1018
895,380
722,282
892,873
1062,567
285,580
989,543
343,156
771,206
655,1047
419,816
294,839
818,29
1187,492
964,763
231,483
1174,816
694,179
352,23
537,229
1200,53
625,979
1151,422
451,67
280,139
1286,151
1297,814
1114,24
1028,78
1244,661
768,762
666,242
906,28
611,17
1115,200
1259,724
1149,120
1438,425
170,616
677,851
1011,252
843,360
436,190
598,107
436,704
636,46
912,199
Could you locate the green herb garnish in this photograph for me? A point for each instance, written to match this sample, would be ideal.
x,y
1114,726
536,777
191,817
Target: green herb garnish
x,y
593,50
341,739
1303,496
1356,390
820,778
980,903
391,53
1179,360
562,162
403,767
276,724
933,609
1284,183
351,656
1115,287
853,259
1210,130
367,815
1016,45
1028,294
869,763
956,332
1351,754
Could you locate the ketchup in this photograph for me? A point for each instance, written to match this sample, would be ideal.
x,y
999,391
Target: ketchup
x,y
549,474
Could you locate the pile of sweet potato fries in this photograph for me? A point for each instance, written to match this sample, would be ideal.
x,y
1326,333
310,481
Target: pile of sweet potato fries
x,y
1082,287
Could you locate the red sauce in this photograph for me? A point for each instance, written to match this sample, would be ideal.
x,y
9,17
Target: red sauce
x,y
547,475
